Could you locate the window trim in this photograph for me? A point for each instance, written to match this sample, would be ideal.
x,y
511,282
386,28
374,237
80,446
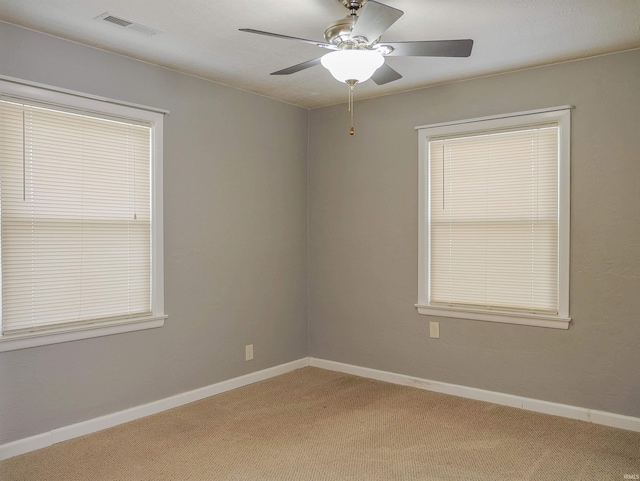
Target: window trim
x,y
96,105
562,116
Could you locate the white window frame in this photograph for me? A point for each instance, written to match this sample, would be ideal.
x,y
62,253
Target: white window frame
x,y
43,94
561,115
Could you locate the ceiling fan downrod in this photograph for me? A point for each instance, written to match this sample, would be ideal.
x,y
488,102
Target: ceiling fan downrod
x,y
353,5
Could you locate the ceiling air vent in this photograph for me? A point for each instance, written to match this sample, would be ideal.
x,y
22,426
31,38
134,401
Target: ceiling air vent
x,y
128,24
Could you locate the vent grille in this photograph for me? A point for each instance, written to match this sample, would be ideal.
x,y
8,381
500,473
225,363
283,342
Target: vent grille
x,y
118,21
128,24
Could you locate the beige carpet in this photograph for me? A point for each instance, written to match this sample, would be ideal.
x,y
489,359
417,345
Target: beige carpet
x,y
313,424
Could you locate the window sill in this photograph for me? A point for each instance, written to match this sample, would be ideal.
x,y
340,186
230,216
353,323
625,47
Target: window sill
x,y
554,322
33,339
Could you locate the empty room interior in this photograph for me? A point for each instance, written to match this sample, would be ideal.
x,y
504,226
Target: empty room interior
x,y
230,252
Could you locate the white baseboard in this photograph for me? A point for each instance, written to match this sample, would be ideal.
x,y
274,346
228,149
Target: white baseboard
x,y
43,440
598,417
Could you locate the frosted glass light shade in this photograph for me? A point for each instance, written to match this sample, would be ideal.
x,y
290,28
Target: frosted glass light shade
x,y
352,64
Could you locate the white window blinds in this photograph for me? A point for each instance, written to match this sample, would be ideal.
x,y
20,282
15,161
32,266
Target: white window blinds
x,y
75,194
494,220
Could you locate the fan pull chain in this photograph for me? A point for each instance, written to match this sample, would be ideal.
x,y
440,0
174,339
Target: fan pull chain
x,y
352,84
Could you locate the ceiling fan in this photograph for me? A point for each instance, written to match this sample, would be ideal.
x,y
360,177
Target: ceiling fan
x,y
357,53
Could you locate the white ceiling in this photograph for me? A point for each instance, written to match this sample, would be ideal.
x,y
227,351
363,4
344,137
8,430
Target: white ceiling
x,y
201,37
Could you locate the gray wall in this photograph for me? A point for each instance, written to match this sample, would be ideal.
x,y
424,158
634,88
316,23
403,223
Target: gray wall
x,y
236,185
363,240
235,221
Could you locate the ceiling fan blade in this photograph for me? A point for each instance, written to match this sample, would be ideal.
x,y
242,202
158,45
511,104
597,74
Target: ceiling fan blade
x,y
297,68
286,37
374,20
431,48
385,74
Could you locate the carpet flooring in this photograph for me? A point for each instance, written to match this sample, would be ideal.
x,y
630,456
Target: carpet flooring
x,y
313,424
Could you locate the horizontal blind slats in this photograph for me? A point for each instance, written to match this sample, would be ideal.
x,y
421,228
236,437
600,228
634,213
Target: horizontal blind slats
x,y
493,220
75,195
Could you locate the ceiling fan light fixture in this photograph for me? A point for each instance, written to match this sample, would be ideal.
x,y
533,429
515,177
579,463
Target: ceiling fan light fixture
x,y
358,65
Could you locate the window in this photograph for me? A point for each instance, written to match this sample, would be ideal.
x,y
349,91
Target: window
x,y
80,217
494,219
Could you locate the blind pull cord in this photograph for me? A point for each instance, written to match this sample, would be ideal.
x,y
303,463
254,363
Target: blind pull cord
x,y
24,162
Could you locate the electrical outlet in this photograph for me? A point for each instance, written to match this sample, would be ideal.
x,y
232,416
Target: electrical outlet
x,y
248,352
434,330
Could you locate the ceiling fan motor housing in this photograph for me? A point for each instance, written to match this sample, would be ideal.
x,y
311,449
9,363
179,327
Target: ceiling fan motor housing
x,y
339,31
